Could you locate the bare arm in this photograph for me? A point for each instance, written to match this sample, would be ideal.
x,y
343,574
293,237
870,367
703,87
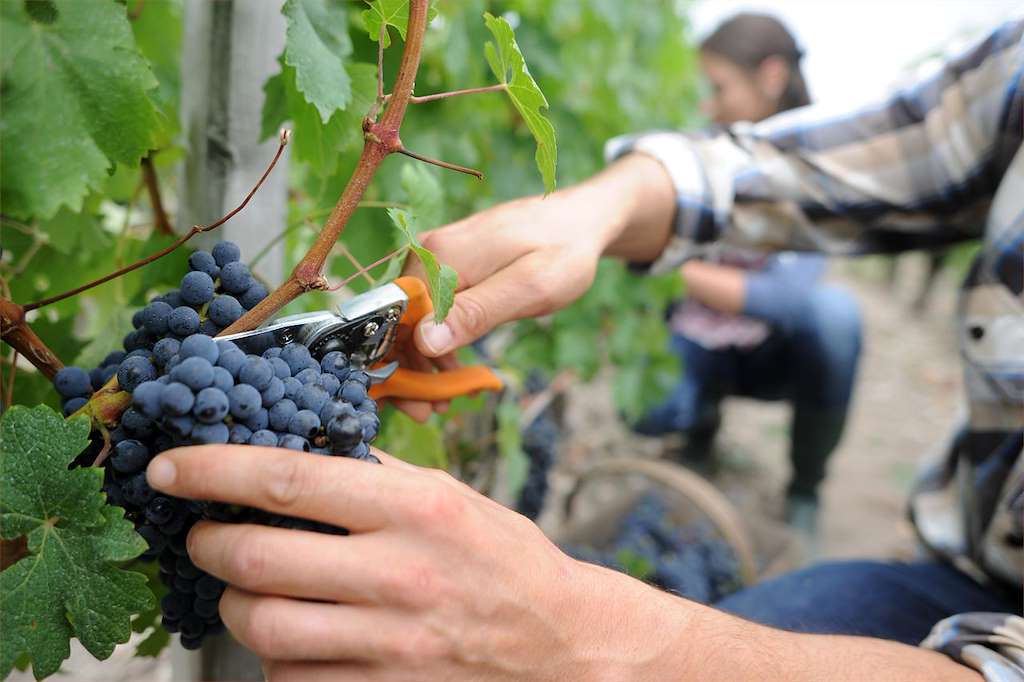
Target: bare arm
x,y
437,582
722,287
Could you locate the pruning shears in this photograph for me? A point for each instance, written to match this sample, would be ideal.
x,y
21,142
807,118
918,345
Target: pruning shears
x,y
371,329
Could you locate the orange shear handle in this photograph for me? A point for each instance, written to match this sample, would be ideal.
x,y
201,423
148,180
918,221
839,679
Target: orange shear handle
x,y
431,386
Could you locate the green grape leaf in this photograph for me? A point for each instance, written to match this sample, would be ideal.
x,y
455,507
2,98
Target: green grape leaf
x,y
416,443
76,100
147,623
315,142
70,584
442,279
316,43
391,13
423,193
509,67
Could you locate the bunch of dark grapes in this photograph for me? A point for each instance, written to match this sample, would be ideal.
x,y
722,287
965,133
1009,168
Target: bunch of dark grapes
x,y
689,560
540,443
189,389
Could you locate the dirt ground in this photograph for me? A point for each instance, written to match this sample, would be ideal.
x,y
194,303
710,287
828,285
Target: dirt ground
x,y
906,399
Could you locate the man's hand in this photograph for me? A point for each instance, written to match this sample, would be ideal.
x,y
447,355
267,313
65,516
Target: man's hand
x,y
435,582
534,256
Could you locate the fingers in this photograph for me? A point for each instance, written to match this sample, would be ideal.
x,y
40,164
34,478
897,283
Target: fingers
x,y
338,490
513,293
304,671
292,630
293,563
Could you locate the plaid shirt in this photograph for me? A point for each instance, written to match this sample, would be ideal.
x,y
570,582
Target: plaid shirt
x,y
933,164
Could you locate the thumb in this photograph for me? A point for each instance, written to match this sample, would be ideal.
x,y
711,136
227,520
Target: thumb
x,y
467,321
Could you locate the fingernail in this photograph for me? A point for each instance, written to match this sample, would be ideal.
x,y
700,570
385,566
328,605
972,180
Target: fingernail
x,y
161,472
437,338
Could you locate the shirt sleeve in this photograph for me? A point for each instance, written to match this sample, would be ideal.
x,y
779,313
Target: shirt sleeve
x,y
991,643
916,169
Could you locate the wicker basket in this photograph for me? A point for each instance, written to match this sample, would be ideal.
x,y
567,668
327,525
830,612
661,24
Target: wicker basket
x,y
605,491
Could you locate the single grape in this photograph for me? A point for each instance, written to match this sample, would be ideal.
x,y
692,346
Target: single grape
x,y
211,405
239,434
73,405
155,317
371,425
72,382
281,369
180,426
224,310
260,420
209,587
205,608
200,346
345,432
146,398
336,408
232,360
160,510
129,457
164,350
136,423
176,399
205,434
329,383
222,379
137,491
194,372
209,328
253,295
293,442
308,376
256,372
226,252
134,371
196,288
203,261
244,401
312,397
304,423
235,277
272,393
263,437
297,356
353,392
184,321
281,413
113,358
175,606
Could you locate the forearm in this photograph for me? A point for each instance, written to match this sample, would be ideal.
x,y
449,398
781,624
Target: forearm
x,y
721,287
659,636
633,203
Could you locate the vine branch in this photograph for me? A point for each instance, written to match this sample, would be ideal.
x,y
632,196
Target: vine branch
x,y
455,93
443,164
17,334
381,139
196,229
163,225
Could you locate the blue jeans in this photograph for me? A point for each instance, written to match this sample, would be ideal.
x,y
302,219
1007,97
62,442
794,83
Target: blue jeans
x,y
809,360
895,601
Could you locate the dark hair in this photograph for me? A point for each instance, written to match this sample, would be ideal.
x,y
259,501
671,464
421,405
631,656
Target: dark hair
x,y
747,39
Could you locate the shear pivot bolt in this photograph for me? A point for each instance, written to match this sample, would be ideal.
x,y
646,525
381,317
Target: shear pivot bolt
x,y
393,314
370,329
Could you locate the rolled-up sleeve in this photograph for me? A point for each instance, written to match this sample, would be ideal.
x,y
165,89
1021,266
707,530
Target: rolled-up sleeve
x,y
991,643
916,169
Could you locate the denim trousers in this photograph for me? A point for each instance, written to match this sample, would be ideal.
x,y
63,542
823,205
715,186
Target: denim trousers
x,y
889,600
809,360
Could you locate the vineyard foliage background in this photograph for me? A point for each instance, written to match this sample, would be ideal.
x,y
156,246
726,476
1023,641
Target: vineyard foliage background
x,y
91,93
